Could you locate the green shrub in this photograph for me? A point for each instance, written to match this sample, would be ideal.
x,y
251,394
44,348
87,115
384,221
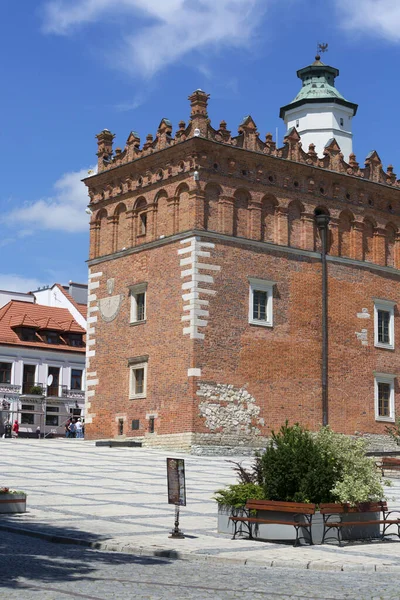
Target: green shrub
x,y
357,478
236,495
295,470
300,466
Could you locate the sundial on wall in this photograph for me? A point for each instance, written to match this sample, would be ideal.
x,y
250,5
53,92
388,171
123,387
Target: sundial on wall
x,y
109,307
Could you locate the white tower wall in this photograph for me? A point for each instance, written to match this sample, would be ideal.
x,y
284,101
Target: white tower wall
x,y
317,123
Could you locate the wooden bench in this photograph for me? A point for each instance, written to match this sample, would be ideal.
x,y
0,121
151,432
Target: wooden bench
x,y
388,463
301,517
333,518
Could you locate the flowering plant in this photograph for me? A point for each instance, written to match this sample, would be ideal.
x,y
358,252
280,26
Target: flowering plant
x,y
6,490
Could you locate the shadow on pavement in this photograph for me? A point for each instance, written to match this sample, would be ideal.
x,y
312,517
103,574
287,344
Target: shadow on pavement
x,y
21,556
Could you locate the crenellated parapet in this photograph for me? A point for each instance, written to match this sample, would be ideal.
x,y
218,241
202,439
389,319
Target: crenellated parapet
x,y
248,138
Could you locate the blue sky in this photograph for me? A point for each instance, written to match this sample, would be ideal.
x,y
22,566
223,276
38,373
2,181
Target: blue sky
x,y
70,68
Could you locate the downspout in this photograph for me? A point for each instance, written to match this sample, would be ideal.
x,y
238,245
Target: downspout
x,y
322,221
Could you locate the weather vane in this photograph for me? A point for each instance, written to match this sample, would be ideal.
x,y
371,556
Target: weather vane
x,y
322,48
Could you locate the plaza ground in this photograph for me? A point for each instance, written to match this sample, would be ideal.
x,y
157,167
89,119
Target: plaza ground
x,y
116,499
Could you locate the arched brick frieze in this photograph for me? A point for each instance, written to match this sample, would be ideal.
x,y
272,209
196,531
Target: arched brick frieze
x,y
295,224
346,219
140,220
211,207
368,239
181,209
241,213
119,234
161,225
101,232
390,244
269,218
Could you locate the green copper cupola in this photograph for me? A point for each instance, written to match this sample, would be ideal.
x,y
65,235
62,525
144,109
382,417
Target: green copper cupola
x,y
319,111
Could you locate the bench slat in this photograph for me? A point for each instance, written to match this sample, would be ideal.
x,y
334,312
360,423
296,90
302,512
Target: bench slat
x,y
290,507
331,508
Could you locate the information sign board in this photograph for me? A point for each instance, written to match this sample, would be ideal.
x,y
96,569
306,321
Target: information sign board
x,y
176,481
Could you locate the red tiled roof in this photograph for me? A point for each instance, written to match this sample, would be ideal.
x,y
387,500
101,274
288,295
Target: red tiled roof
x,y
24,314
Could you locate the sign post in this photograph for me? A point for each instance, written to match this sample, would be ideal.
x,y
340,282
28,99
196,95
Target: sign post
x,y
176,490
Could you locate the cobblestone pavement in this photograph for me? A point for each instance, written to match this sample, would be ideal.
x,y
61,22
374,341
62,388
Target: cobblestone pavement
x,y
117,498
33,569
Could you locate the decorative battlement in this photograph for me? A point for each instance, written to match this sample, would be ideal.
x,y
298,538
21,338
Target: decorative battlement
x,y
248,138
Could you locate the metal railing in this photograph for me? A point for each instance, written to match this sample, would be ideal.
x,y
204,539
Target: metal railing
x,y
30,388
9,388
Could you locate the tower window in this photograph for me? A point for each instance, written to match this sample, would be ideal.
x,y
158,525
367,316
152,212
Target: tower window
x,y
260,302
297,123
341,122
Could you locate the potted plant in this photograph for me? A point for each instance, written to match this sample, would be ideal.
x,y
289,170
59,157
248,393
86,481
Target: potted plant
x,y
36,389
300,466
12,501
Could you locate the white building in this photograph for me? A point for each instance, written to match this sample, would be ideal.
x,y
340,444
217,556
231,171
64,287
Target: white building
x,y
42,360
319,112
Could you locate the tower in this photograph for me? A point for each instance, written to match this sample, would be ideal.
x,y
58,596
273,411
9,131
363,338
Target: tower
x,y
319,112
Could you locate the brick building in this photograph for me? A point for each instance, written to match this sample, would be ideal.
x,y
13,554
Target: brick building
x,y
208,319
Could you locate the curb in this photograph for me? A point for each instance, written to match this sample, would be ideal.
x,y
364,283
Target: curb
x,y
313,565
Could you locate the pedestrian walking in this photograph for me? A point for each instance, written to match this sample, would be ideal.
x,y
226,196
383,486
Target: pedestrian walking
x,y
15,429
38,432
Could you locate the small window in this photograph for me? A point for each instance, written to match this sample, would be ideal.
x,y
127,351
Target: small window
x,y
28,335
151,425
341,122
51,337
5,372
76,379
138,380
75,339
297,123
120,427
52,419
135,424
384,324
260,302
138,303
384,397
142,224
27,414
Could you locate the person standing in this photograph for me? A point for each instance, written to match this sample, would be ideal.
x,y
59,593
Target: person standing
x,y
79,429
72,429
38,432
15,428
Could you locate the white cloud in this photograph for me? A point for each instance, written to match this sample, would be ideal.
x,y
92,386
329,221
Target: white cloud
x,y
64,211
167,29
376,17
16,283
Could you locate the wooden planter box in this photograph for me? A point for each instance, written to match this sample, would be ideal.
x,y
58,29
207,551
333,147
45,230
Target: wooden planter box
x,y
12,503
285,533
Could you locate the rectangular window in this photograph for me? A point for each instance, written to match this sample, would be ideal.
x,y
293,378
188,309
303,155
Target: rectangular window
x,y
384,397
53,380
138,380
75,339
5,372
51,337
28,335
76,379
384,324
260,302
27,418
52,419
138,303
28,379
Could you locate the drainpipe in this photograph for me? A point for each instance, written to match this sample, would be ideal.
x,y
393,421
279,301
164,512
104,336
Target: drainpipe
x,y
322,221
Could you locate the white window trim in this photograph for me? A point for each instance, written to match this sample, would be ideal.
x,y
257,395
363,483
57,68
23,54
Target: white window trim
x,y
261,285
384,378
134,290
132,368
387,306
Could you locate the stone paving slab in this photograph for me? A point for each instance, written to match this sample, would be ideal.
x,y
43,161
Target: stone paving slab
x,y
116,499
